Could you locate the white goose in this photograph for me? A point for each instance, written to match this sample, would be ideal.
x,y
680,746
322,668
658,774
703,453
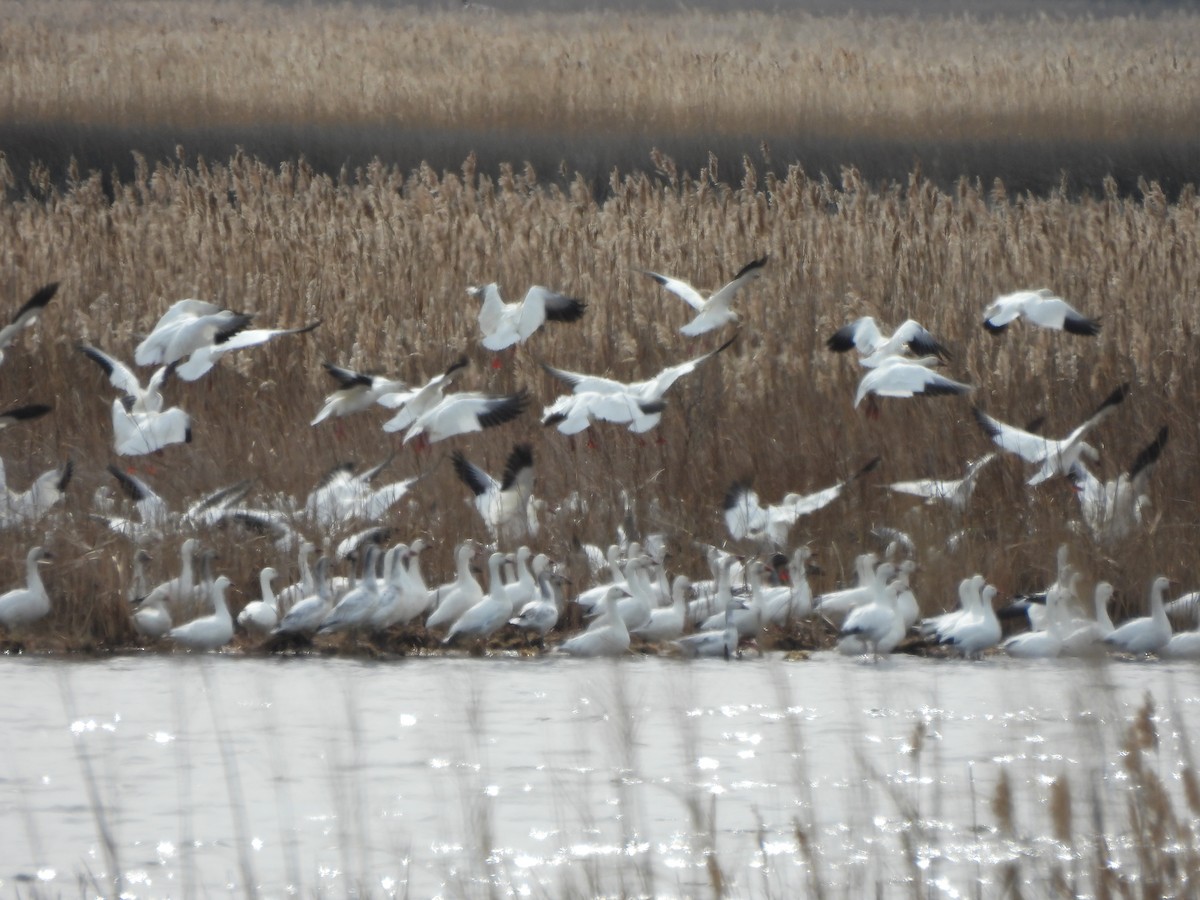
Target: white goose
x,y
722,643
307,614
793,601
1085,639
898,376
507,506
459,595
505,324
29,313
979,631
1113,510
955,493
490,613
261,616
637,404
184,328
712,312
1042,308
411,405
666,622
25,605
355,608
208,632
1148,634
1051,457
873,347
357,391
206,356
745,517
608,637
466,412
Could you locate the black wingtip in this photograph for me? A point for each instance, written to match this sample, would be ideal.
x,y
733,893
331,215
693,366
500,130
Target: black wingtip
x,y
456,366
1115,397
984,422
995,329
1150,453
1082,326
842,339
41,297
25,413
751,266
734,495
869,467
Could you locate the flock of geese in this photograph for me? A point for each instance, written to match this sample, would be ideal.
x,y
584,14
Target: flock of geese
x,y
633,597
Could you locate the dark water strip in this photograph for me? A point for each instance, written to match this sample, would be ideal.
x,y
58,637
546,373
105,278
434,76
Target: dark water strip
x,y
1025,165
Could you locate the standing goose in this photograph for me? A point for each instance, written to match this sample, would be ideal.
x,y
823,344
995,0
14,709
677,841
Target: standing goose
x,y
208,632
608,637
486,616
25,605
1147,634
306,616
261,616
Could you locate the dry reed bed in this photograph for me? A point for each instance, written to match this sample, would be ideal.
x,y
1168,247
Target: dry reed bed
x,y
383,259
595,73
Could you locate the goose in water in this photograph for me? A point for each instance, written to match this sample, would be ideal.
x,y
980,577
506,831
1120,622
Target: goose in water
x,y
486,616
1051,457
608,635
722,643
507,506
1086,638
261,616
1040,307
876,627
24,605
873,348
29,313
626,402
1148,634
712,312
356,392
505,324
208,632
745,517
1113,510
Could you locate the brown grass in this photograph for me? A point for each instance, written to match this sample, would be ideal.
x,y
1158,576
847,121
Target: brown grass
x,y
383,257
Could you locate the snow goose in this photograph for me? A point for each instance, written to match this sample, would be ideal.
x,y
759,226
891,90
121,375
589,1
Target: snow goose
x,y
25,605
340,495
1051,457
206,356
29,313
1113,510
722,643
357,604
839,603
937,627
979,630
181,589
876,627
152,619
307,614
505,324
120,376
748,619
955,493
21,507
459,595
493,611
1042,308
261,616
791,602
898,376
139,433
411,405
873,348
184,328
666,622
540,615
609,637
745,517
1044,643
1147,634
575,413
357,391
712,312
208,632
1086,638
506,506
465,412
